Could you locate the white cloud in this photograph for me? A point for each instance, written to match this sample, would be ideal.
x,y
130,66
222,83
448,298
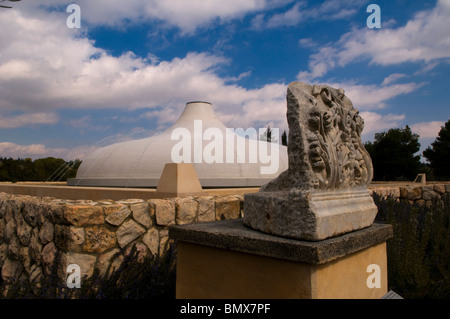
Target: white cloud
x,y
393,78
59,68
427,129
27,120
328,10
425,38
375,123
188,16
372,97
34,151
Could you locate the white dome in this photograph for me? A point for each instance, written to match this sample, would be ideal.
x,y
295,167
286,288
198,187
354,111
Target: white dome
x,y
139,163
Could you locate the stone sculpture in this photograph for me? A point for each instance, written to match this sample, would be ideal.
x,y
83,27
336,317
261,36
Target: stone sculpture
x,y
324,191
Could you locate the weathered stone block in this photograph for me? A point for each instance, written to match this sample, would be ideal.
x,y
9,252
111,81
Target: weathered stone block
x,y
186,210
206,209
440,189
164,212
84,215
227,208
411,193
324,191
141,214
48,256
46,232
111,259
116,214
98,239
11,270
430,195
86,263
69,238
151,239
129,231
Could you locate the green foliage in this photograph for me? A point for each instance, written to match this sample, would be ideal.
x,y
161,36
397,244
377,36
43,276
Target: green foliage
x,y
44,169
393,155
438,154
137,277
419,254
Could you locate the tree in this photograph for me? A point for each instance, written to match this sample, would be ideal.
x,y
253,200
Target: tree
x,y
284,138
438,154
393,155
267,136
8,7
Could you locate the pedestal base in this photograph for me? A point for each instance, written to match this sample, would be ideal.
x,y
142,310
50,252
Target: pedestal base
x,y
312,216
226,260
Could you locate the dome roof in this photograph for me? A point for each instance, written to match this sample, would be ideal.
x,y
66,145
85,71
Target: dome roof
x,y
198,137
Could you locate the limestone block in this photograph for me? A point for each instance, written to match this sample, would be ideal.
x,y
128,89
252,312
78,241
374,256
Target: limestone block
x,y
151,239
86,263
411,193
2,229
69,238
23,229
48,256
206,209
317,217
128,231
141,251
98,239
228,207
186,210
46,232
29,213
112,259
35,246
440,189
24,258
84,215
11,269
3,253
14,247
430,195
163,240
10,230
116,214
164,212
141,214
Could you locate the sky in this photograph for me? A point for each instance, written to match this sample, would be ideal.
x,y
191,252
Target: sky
x,y
131,67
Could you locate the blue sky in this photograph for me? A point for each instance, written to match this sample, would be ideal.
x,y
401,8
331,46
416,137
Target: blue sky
x,y
131,67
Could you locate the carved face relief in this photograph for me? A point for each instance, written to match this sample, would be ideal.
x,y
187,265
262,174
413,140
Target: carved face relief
x,y
336,154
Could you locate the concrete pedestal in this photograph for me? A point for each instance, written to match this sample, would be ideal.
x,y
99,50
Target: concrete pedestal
x,y
226,260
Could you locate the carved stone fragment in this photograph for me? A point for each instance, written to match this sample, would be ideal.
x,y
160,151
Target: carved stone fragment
x,y
324,191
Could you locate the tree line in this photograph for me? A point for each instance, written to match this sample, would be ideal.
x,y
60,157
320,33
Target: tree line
x,y
43,169
395,155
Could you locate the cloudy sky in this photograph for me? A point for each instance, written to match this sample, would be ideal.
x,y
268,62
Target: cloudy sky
x,y
131,67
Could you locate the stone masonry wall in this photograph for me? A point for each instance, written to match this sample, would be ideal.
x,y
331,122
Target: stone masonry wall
x,y
34,231
417,194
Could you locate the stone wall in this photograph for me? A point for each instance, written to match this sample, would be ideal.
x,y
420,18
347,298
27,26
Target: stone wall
x,y
34,231
416,194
